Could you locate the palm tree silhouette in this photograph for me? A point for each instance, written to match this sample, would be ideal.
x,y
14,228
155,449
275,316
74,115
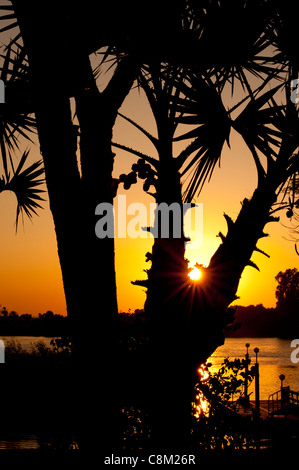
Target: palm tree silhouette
x,y
193,55
189,322
261,123
57,48
17,122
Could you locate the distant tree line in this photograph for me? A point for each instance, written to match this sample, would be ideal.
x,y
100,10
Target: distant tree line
x,y
281,321
255,321
45,324
250,321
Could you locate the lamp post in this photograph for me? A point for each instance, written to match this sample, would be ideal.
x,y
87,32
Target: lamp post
x,y
246,373
284,392
257,385
281,378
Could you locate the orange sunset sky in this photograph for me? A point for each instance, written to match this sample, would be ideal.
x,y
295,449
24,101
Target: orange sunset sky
x,y
30,278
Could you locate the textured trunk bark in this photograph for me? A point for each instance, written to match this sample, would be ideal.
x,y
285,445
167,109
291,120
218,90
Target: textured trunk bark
x,y
171,393
212,297
98,348
169,266
87,263
188,320
58,144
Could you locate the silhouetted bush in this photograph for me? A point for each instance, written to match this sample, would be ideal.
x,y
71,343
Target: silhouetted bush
x,y
38,353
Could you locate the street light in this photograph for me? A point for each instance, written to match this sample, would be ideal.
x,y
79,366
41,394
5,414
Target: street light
x,y
281,378
247,345
257,384
284,392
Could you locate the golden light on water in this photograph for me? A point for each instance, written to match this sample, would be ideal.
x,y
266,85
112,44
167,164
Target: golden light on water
x,y
201,406
203,374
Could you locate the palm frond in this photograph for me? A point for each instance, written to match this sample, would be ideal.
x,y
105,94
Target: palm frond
x,y
259,123
230,38
201,106
9,16
259,127
159,82
24,183
147,134
145,82
15,114
283,34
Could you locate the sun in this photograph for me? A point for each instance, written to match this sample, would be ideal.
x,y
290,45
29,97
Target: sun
x,y
195,274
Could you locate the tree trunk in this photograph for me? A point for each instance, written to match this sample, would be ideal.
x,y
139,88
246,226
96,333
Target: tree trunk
x,y
171,376
218,289
87,262
188,319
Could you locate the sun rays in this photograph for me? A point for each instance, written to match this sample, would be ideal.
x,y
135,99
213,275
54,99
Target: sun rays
x,y
195,274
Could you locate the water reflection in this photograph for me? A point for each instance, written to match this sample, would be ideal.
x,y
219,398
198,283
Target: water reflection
x,y
274,359
201,405
20,441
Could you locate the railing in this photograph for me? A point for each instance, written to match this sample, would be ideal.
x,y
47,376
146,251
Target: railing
x,y
274,403
283,401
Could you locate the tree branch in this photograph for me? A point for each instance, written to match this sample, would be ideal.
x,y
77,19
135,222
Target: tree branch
x,y
119,85
152,161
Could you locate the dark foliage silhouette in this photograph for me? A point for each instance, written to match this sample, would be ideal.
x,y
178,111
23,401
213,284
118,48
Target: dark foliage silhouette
x,y
183,75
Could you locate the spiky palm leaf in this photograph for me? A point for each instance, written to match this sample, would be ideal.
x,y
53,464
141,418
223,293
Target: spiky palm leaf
x,y
260,127
9,22
232,38
15,114
16,121
202,108
158,90
259,124
24,183
283,34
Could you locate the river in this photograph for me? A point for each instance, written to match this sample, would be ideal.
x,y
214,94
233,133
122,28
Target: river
x,y
274,359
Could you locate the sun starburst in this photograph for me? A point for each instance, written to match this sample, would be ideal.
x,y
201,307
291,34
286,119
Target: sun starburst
x,y
195,274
